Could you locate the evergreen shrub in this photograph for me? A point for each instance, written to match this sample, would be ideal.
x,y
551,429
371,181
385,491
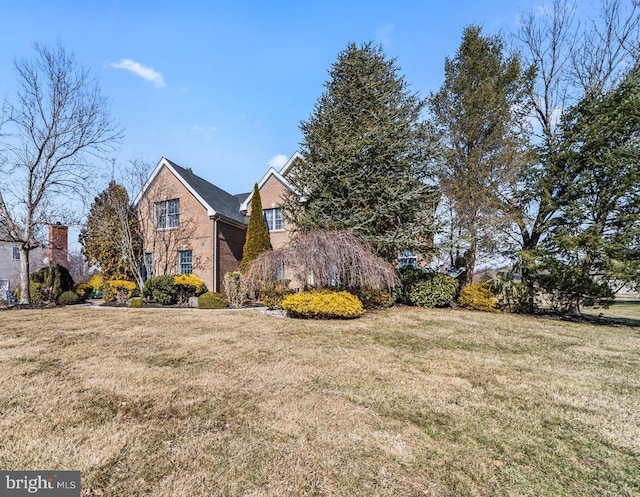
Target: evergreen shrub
x,y
83,290
374,298
211,300
188,285
478,297
323,304
69,297
161,289
122,289
51,282
273,294
436,290
136,302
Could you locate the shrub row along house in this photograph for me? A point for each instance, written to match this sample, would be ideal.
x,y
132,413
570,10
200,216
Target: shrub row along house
x,y
190,225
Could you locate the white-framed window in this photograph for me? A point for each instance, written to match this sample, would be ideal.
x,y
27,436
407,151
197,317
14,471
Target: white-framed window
x,y
15,253
274,219
408,258
167,214
185,261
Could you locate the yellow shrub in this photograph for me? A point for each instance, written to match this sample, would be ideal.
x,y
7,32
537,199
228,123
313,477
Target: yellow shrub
x,y
478,297
97,282
188,285
123,289
323,305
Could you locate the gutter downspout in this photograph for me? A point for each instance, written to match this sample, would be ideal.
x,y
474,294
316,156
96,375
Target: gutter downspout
x,y
215,254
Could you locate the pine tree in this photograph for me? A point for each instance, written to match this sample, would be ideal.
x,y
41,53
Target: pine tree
x,y
367,158
479,111
593,245
110,237
258,239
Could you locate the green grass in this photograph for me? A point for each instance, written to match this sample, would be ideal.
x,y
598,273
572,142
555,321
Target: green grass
x,y
401,402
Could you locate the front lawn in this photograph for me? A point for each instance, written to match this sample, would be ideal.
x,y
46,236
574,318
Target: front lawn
x,y
404,402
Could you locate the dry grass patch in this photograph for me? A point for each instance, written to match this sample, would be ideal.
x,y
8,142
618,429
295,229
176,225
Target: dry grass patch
x,y
401,402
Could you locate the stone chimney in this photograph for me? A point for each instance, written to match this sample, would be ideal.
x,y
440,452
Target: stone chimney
x,y
57,251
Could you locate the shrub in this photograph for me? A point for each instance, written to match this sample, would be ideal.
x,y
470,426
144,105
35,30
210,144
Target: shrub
x,y
323,305
437,290
68,297
236,288
512,295
136,302
272,295
374,298
83,290
36,294
188,285
478,297
97,283
123,289
211,300
52,281
161,289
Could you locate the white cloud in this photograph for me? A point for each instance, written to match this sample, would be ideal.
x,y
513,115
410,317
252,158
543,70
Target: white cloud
x,y
139,70
277,161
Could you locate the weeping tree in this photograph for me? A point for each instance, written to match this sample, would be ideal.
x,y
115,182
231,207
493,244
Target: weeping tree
x,y
320,259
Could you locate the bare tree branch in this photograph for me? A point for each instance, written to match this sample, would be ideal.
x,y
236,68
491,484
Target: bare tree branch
x,y
58,124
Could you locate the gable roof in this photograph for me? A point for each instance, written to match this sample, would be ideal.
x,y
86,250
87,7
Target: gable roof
x,y
280,176
215,200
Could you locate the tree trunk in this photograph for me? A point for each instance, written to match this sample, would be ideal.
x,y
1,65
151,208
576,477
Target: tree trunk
x,y
24,276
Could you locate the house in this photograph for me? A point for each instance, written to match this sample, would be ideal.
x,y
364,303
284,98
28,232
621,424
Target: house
x,y
54,252
273,187
189,225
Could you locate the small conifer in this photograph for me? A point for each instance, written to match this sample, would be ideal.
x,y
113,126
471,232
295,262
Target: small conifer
x,y
258,239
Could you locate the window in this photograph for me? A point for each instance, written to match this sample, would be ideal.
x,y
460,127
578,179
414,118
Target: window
x,y
167,214
148,265
15,254
408,258
274,219
185,261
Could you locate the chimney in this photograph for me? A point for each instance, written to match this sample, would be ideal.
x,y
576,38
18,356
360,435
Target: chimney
x,y
57,251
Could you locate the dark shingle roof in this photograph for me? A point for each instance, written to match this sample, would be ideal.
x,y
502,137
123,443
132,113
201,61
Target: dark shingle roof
x,y
242,196
222,202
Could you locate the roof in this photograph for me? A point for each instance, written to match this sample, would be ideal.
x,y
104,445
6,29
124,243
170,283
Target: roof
x,y
217,201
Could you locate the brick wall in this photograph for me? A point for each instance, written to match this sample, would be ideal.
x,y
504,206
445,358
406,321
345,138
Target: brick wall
x,y
272,196
57,250
193,233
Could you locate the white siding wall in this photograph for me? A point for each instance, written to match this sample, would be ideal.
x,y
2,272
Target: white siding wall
x,y
10,269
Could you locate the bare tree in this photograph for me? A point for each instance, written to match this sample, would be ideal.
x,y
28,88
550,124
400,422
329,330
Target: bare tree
x,y
58,124
78,266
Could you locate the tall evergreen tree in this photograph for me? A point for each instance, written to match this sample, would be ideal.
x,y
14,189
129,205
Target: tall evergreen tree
x,y
479,111
110,237
367,158
593,246
258,239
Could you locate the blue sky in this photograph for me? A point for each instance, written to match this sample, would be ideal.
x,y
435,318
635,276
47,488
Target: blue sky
x,y
221,87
